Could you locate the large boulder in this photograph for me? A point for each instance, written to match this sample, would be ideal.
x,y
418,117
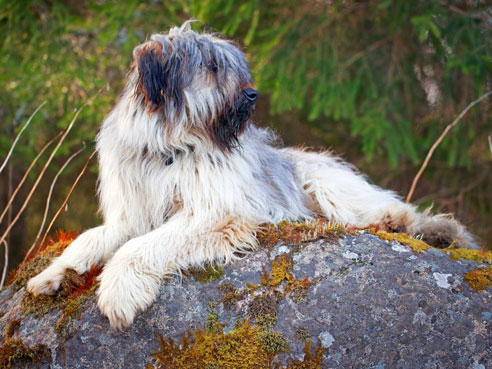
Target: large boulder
x,y
312,296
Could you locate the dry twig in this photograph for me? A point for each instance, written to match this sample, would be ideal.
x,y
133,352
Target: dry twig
x,y
490,144
5,264
41,174
12,197
441,137
19,135
64,202
48,199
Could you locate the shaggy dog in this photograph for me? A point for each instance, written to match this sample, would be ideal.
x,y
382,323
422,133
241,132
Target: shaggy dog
x,y
186,178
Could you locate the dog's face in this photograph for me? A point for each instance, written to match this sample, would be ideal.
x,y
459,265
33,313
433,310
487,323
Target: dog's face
x,y
196,80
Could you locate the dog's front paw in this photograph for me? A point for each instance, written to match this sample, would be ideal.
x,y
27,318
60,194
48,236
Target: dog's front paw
x,y
46,282
123,293
115,306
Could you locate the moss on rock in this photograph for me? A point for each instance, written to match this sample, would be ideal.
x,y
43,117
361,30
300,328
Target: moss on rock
x,y
480,278
293,233
263,310
41,259
12,327
246,347
415,244
70,299
206,274
15,353
477,256
272,342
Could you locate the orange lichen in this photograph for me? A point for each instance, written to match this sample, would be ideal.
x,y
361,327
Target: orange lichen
x,y
280,272
62,239
415,244
41,259
252,288
480,278
299,288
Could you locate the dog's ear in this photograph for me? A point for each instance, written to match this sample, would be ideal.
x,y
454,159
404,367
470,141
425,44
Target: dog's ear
x,y
159,77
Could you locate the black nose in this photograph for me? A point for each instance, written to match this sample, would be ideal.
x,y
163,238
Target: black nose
x,y
250,94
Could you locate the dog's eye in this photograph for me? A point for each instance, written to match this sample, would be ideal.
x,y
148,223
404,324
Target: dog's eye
x,y
213,68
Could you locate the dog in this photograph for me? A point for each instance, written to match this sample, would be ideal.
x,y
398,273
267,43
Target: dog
x,y
186,178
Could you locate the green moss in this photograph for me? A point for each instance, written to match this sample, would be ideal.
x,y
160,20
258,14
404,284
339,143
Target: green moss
x,y
246,347
204,349
272,342
480,278
15,353
12,327
209,273
263,310
70,299
212,324
477,256
293,233
415,244
230,295
41,259
74,290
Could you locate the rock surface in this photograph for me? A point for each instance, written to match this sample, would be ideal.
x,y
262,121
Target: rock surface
x,y
366,302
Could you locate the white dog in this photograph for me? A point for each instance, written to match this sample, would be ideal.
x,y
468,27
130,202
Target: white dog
x,y
186,178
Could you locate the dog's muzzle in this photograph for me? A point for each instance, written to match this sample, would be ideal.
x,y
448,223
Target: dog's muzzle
x,y
250,94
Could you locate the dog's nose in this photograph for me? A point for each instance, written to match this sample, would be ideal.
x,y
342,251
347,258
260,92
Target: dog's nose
x,y
250,94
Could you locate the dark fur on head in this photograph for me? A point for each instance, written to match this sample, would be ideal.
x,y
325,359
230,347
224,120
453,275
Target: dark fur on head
x,y
182,65
159,79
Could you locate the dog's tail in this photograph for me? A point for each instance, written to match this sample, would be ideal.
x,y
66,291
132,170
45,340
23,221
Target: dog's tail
x,y
442,230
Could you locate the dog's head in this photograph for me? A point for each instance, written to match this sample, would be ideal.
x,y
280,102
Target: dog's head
x,y
199,81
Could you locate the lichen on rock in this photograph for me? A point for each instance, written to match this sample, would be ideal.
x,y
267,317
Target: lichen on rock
x,y
311,295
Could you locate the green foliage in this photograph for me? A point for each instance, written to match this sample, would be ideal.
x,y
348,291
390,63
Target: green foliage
x,y
357,64
377,79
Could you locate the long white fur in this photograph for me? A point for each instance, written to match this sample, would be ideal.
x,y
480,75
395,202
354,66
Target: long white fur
x,y
206,206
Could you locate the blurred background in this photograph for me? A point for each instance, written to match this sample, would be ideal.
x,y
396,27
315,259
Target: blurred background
x,y
376,81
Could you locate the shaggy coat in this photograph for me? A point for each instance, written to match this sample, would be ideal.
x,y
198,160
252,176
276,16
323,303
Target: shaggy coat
x,y
186,178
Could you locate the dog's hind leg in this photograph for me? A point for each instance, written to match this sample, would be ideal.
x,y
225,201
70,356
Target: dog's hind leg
x,y
92,247
130,280
341,194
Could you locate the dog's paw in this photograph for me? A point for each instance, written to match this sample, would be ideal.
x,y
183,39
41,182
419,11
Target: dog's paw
x,y
47,282
116,308
123,293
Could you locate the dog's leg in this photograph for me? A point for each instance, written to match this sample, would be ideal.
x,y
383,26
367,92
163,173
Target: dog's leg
x,y
130,281
344,196
92,247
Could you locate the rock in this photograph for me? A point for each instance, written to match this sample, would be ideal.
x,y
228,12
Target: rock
x,y
329,300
